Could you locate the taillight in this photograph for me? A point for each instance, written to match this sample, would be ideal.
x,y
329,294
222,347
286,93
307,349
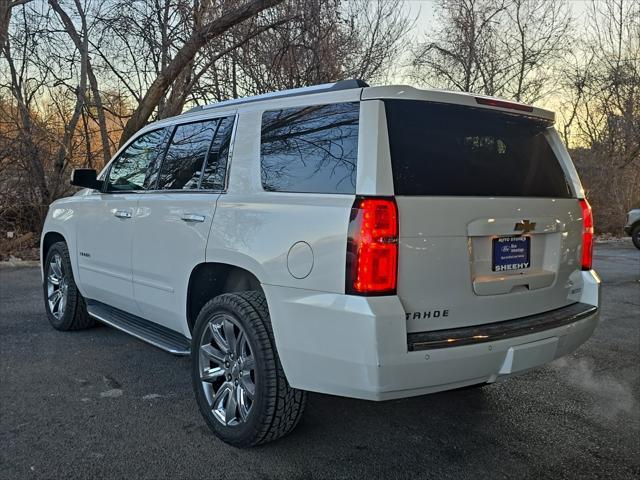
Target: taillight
x,y
587,234
372,247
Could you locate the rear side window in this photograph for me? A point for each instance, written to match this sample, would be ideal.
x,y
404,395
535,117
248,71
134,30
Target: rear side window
x,y
439,149
310,149
184,161
216,169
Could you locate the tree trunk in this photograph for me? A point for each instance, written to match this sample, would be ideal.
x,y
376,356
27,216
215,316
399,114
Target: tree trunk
x,y
5,18
174,104
82,45
102,121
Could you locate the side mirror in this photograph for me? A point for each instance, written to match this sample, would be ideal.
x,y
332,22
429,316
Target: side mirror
x,y
86,177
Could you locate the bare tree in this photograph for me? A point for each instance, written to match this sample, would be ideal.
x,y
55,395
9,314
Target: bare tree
x,y
80,91
308,42
24,89
48,68
537,35
459,53
5,18
203,33
24,153
495,47
604,121
374,38
81,42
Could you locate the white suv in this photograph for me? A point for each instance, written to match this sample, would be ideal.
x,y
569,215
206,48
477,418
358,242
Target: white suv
x,y
369,242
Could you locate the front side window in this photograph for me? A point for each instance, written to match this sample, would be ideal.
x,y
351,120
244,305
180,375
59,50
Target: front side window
x,y
185,159
133,169
310,149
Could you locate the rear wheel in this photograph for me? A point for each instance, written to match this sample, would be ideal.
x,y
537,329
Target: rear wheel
x,y
635,236
237,377
66,308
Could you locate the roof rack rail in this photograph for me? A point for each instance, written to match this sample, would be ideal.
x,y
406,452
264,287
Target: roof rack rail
x,y
325,87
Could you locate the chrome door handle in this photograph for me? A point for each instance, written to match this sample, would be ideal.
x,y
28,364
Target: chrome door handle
x,y
192,217
122,214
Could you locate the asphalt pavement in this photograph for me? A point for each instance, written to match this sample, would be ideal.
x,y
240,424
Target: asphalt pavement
x,y
101,404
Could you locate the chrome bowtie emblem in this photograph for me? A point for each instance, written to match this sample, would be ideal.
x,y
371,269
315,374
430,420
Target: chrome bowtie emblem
x,y
525,226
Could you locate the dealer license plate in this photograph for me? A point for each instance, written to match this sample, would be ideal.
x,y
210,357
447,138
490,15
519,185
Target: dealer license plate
x,y
511,253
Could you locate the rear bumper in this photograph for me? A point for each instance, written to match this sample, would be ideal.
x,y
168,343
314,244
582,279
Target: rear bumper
x,y
493,332
627,229
358,346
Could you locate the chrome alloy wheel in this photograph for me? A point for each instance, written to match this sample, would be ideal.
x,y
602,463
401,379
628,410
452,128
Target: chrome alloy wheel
x,y
57,286
227,370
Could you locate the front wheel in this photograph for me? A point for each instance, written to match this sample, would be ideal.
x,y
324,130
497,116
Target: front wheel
x,y
635,236
237,377
65,306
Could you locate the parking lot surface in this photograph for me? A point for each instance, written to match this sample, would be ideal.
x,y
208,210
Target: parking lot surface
x,y
101,404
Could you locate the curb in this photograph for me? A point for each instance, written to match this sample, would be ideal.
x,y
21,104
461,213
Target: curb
x,y
19,263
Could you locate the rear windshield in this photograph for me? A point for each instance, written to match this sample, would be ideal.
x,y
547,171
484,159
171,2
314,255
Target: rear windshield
x,y
440,149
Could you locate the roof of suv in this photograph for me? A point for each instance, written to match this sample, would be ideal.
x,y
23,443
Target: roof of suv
x,y
325,87
403,92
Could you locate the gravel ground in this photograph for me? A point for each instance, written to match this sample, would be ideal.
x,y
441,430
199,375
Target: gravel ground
x,y
100,404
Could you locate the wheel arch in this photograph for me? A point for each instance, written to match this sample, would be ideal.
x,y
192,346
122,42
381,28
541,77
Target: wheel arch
x,y
210,279
635,225
48,239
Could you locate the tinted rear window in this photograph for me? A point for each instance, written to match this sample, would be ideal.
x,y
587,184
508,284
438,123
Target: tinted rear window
x,y
439,149
216,168
310,149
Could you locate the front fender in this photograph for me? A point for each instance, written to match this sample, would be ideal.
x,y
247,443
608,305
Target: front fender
x,y
61,220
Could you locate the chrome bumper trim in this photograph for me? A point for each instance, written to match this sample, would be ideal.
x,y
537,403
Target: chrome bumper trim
x,y
491,332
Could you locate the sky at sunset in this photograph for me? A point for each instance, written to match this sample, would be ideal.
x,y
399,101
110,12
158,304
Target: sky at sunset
x,y
424,11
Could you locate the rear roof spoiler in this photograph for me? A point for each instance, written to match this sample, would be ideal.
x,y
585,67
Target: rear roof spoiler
x,y
405,92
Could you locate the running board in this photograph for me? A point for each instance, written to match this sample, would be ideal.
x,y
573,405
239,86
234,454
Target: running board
x,y
157,335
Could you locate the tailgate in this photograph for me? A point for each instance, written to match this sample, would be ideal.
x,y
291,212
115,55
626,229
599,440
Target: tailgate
x,y
489,227
447,276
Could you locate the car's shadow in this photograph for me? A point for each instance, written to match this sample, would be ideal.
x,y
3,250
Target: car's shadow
x,y
418,436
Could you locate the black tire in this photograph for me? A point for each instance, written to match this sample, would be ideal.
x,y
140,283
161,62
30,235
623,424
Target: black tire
x,y
74,315
277,407
635,236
